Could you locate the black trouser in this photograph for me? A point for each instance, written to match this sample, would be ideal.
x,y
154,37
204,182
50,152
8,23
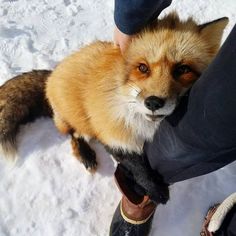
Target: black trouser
x,y
200,136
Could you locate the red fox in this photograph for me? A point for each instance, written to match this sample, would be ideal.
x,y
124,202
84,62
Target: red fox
x,y
120,100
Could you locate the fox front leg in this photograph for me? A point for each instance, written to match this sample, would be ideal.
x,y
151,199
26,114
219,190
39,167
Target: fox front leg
x,y
144,176
84,153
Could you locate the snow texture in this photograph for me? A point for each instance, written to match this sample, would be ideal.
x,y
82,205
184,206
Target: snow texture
x,y
48,192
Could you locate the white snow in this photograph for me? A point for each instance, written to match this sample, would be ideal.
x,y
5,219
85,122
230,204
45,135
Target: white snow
x,y
48,192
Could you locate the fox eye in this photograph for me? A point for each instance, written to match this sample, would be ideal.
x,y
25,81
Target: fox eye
x,y
180,70
143,68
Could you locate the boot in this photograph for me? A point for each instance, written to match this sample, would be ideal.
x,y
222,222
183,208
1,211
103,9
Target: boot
x,y
130,219
221,218
133,216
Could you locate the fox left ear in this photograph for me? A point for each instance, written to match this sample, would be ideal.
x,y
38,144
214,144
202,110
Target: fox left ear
x,y
213,31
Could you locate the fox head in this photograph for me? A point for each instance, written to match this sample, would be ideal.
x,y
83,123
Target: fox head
x,y
164,60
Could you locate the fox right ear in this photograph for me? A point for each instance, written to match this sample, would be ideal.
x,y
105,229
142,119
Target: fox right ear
x,y
213,31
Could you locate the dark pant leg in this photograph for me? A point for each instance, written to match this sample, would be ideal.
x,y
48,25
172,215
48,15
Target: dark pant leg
x,y
200,136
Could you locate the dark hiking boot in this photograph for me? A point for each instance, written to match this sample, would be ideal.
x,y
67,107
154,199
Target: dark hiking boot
x,y
132,219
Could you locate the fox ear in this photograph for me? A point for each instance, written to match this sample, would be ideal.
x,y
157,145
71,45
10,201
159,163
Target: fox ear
x,y
213,31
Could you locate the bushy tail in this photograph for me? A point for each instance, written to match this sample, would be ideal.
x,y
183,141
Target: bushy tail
x,y
22,100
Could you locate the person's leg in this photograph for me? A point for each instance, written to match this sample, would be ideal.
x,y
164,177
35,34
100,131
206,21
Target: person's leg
x,y
200,136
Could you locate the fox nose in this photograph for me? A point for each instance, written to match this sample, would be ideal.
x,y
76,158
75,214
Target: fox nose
x,y
153,103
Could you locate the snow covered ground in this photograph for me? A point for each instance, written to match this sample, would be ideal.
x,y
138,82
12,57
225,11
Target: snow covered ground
x,y
48,193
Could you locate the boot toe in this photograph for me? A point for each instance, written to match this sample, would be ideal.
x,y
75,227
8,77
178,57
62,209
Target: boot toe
x,y
121,227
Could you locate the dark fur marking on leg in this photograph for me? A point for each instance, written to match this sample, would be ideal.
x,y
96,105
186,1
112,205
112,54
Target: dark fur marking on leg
x,y
87,154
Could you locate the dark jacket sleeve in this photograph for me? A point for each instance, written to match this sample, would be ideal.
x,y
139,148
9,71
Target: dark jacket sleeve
x,y
132,15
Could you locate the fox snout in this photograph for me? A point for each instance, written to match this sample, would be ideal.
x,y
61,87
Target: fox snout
x,y
154,103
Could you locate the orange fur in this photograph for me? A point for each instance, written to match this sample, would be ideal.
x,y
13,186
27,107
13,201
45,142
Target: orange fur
x,y
88,90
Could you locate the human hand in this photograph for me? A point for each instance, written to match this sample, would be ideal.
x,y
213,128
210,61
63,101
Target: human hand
x,y
122,40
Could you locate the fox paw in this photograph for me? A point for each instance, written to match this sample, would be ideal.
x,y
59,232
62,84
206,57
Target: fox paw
x,y
84,154
159,194
90,162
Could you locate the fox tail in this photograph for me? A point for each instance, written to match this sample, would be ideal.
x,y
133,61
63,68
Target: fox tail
x,y
22,100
